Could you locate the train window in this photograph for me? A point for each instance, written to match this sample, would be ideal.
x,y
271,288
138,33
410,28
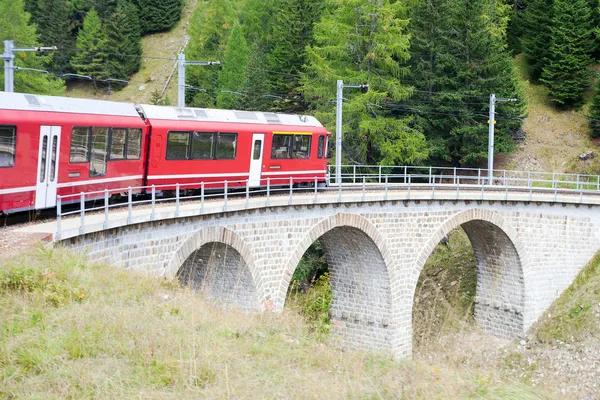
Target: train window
x,y
178,144
281,147
202,145
327,149
80,137
257,150
117,143
43,160
99,152
8,142
226,146
134,144
301,147
321,147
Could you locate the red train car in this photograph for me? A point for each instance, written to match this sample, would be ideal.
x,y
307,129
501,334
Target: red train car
x,y
204,145
53,146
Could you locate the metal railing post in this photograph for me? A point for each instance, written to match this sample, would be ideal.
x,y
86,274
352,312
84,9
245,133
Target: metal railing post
x,y
581,195
409,187
529,178
247,194
339,193
225,197
454,178
577,182
82,213
129,205
433,190
386,188
153,214
58,217
364,184
202,198
405,174
380,174
268,192
316,188
479,176
354,174
504,176
176,200
553,180
530,190
506,193
555,193
457,187
105,225
430,172
482,189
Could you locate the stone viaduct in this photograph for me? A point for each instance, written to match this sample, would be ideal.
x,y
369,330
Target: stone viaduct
x,y
527,254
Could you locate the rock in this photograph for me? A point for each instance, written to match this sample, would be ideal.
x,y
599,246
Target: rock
x,y
522,343
588,155
142,88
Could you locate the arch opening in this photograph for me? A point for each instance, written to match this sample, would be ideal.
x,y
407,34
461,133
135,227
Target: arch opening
x,y
490,277
361,307
220,273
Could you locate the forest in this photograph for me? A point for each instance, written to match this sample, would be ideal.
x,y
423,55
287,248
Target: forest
x,y
431,65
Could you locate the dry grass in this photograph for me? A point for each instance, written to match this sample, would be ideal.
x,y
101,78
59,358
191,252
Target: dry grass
x,y
154,72
71,329
554,137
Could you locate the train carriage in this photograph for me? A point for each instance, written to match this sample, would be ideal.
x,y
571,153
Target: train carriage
x,y
53,146
205,145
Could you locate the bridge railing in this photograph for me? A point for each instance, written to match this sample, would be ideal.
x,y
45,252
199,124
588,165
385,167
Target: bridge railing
x,y
100,210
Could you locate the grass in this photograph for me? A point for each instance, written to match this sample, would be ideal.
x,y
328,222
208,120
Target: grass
x,y
160,51
554,137
74,329
573,317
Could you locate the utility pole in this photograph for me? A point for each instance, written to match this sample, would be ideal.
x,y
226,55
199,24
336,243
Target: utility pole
x,y
364,88
9,62
492,123
181,76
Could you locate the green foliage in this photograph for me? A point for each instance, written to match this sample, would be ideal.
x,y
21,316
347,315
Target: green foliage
x,y
537,24
157,100
256,85
364,42
594,114
54,28
14,25
123,41
231,76
91,57
314,304
159,15
459,57
571,42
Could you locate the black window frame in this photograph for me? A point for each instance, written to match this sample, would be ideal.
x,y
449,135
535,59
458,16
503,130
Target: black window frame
x,y
190,146
14,158
294,151
290,151
110,145
321,146
106,151
88,145
139,155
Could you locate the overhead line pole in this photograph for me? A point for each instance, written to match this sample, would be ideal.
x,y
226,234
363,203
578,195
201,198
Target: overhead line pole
x,y
9,62
181,76
492,123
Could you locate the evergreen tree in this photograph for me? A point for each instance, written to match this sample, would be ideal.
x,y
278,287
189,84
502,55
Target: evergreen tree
x,y
256,86
537,22
515,28
460,57
364,42
91,58
14,25
571,42
54,26
159,15
104,8
256,18
292,33
231,76
594,113
124,41
209,29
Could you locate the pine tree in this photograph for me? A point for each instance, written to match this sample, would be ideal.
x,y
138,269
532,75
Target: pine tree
x,y
364,42
515,28
256,86
159,15
209,29
565,74
460,57
104,8
14,25
537,22
231,76
292,33
594,114
124,41
91,58
54,26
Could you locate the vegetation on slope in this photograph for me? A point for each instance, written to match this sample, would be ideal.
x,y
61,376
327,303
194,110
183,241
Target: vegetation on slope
x,y
73,329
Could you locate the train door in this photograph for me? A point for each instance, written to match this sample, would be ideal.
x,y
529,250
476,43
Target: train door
x,y
47,177
258,141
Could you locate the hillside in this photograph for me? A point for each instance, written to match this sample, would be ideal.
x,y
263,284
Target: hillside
x,y
72,329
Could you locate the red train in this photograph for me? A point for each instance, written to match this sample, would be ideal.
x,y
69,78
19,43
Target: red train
x,y
53,146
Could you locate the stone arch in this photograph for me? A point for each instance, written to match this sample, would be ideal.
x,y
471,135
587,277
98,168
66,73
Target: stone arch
x,y
362,303
218,260
500,256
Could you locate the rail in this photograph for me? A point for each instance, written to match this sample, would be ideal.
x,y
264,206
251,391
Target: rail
x,y
359,183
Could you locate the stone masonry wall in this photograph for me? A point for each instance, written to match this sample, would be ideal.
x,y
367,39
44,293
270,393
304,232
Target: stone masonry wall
x,y
551,242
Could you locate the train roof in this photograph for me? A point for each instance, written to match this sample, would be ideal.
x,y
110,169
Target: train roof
x,y
213,115
34,102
